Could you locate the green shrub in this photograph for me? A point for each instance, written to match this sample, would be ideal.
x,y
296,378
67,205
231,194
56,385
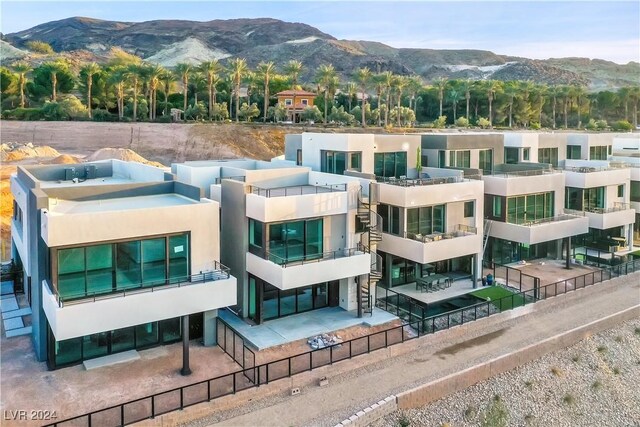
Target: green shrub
x,y
440,122
470,413
601,349
103,116
602,124
535,125
38,46
403,421
569,399
616,371
23,114
162,119
576,358
483,122
496,414
462,122
597,385
622,125
592,125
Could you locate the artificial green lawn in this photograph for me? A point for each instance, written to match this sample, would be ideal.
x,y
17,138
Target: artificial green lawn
x,y
497,292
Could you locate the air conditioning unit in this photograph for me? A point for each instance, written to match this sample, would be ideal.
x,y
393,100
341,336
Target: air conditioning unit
x,y
69,174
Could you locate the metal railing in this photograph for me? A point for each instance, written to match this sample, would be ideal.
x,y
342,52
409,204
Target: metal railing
x,y
312,258
204,391
408,182
220,272
590,169
522,173
617,207
298,190
459,230
234,178
233,344
555,218
512,277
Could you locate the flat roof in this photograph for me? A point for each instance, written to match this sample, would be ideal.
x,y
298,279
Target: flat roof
x,y
118,204
106,180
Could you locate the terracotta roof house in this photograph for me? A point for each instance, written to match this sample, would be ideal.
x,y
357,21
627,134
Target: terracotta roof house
x,y
302,98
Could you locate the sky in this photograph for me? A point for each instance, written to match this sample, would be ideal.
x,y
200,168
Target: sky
x,y
535,29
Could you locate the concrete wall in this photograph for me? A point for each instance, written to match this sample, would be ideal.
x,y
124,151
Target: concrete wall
x,y
292,143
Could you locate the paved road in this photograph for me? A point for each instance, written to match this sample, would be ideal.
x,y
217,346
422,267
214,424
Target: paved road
x,y
350,393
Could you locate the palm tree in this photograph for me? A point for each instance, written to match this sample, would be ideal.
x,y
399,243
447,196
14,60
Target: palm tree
x,y
211,69
237,69
133,73
293,69
565,92
199,84
454,96
22,68
117,78
53,68
154,74
265,70
466,86
325,77
440,84
635,97
624,93
362,77
511,90
414,86
166,80
399,84
351,90
89,70
554,91
579,93
183,70
388,79
491,88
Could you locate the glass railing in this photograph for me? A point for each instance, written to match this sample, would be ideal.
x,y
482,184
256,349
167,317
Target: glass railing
x,y
307,258
235,178
408,182
297,190
219,272
568,215
617,207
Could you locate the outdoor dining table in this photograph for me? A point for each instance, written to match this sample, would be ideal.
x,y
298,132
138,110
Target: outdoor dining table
x,y
426,282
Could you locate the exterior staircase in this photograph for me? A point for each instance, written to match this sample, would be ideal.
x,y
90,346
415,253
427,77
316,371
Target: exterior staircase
x,y
372,234
485,237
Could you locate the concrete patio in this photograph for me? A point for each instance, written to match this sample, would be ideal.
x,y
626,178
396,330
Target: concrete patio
x,y
299,326
459,287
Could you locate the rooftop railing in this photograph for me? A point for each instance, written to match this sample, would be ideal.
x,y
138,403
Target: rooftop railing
x,y
522,173
297,190
556,218
459,230
219,272
408,182
617,207
234,178
591,169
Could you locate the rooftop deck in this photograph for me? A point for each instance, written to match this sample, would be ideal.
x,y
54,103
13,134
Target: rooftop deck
x,y
297,190
118,204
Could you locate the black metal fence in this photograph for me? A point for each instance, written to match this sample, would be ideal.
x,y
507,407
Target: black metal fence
x,y
512,277
233,344
181,397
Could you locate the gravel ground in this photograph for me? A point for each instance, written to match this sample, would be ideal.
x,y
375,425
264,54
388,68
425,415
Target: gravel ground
x,y
593,383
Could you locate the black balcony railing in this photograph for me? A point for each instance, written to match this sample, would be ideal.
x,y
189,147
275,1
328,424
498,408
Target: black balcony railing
x,y
297,190
459,230
308,258
219,272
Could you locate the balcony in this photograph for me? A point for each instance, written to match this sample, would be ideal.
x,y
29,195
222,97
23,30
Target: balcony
x,y
413,192
514,183
541,230
294,272
618,215
300,201
460,240
85,314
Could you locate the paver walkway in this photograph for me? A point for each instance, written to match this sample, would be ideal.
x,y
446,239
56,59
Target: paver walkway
x,y
349,393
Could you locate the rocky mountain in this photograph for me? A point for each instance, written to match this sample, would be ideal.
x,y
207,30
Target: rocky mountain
x,y
168,42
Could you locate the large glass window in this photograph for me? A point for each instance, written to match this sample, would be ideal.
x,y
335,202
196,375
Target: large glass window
x,y
146,334
574,152
635,191
593,198
486,161
295,241
390,164
442,155
426,220
274,303
338,161
548,155
256,237
511,155
573,198
598,152
529,207
460,158
99,269
390,218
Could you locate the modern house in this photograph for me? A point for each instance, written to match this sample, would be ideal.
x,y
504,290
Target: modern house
x,y
429,219
289,236
117,257
626,149
295,101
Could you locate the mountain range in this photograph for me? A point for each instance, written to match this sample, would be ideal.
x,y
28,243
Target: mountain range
x,y
169,42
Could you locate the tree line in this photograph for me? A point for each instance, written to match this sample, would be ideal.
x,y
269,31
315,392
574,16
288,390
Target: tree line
x,y
128,89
